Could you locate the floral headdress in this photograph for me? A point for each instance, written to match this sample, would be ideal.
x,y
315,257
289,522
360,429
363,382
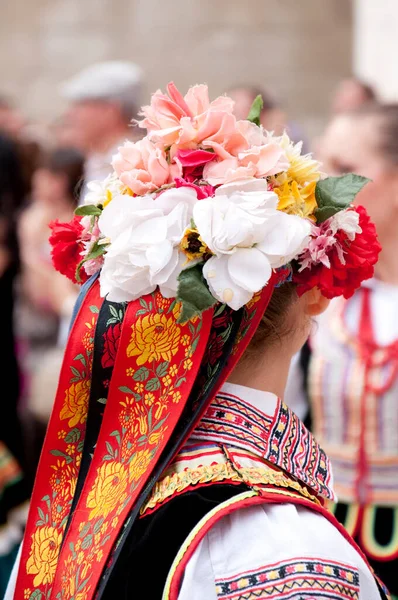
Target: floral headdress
x,y
206,207
185,243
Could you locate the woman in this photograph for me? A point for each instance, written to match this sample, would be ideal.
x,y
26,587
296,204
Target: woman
x,y
47,299
351,371
191,469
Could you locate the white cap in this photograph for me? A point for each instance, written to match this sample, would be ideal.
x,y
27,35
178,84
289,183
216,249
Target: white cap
x,y
106,80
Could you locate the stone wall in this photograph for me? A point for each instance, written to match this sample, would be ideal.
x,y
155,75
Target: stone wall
x,y
297,48
376,45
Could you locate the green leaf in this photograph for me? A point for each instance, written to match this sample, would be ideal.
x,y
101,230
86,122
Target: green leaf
x,y
255,110
109,447
125,389
36,595
193,294
102,400
98,525
75,372
152,384
94,309
96,251
80,446
88,209
87,542
59,453
141,375
113,311
336,193
73,436
161,370
84,531
180,382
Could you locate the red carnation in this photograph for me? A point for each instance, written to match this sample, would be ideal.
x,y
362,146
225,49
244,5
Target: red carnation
x,y
340,279
67,247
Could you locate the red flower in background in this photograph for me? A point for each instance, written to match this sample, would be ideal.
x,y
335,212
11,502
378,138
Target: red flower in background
x,y
65,240
111,343
360,255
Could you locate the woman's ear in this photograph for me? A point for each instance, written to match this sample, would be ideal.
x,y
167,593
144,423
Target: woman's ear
x,y
314,302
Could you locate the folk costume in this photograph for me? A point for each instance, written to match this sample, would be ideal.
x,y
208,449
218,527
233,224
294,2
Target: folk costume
x,y
352,384
153,464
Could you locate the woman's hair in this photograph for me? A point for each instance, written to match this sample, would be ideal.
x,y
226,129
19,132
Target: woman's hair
x,y
274,325
68,162
387,117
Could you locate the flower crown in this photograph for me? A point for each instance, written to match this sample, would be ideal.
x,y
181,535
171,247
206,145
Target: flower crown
x,y
207,207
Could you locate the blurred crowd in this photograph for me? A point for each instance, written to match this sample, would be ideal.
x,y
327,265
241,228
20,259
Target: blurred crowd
x,y
43,177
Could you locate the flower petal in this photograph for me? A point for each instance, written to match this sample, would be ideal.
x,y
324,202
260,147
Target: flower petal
x,y
284,238
249,269
221,285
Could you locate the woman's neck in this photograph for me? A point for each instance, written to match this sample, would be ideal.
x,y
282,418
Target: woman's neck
x,y
268,371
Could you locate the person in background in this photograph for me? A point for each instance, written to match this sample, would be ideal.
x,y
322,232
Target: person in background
x,y
103,98
14,487
350,94
47,298
350,367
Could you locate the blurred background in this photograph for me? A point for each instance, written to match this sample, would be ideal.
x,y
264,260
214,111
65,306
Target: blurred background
x,y
64,109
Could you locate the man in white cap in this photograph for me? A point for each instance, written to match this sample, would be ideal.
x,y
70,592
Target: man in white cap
x,y
104,98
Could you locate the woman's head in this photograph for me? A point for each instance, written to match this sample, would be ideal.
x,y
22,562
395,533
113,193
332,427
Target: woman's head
x,y
272,117
59,177
365,141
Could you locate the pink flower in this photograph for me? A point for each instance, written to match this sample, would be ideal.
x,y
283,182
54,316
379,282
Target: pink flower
x,y
187,120
143,166
93,265
192,162
268,159
202,191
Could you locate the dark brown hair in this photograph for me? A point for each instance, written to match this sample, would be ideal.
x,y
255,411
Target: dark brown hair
x,y
274,325
387,116
68,162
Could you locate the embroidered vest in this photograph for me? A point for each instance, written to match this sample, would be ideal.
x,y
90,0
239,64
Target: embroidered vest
x,y
353,387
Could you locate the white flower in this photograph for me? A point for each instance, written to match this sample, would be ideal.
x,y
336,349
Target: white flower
x,y
347,221
249,237
102,191
144,237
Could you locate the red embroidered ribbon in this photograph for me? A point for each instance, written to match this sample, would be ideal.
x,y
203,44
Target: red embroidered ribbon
x,y
60,459
151,380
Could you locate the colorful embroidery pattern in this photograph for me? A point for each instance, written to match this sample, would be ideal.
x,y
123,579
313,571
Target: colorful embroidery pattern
x,y
231,420
293,447
62,453
292,579
148,384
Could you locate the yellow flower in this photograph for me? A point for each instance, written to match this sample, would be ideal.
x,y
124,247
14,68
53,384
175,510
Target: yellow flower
x,y
139,464
68,578
163,303
99,555
173,370
139,388
111,482
167,380
303,169
88,341
78,459
176,397
27,593
142,417
80,558
188,352
104,527
42,560
185,340
130,372
115,522
156,436
192,245
81,526
188,364
154,337
161,405
76,403
70,449
149,399
79,542
177,308
296,201
61,434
